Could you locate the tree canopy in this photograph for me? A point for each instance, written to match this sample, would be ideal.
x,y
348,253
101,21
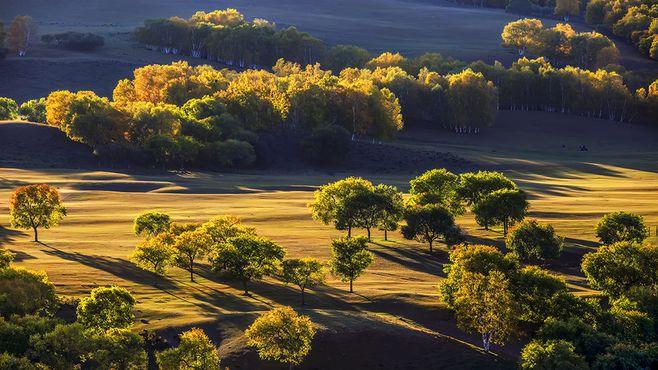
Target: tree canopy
x,y
36,206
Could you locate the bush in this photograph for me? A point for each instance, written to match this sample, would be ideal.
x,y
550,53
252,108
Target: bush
x,y
552,355
74,41
621,227
326,145
533,242
24,292
34,110
8,109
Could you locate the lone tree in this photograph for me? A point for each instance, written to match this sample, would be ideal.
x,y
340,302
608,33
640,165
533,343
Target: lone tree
x,y
618,267
281,335
428,223
195,351
567,8
107,307
533,241
329,204
155,254
35,206
21,32
304,272
349,258
438,187
189,246
247,258
501,207
621,227
474,186
484,304
151,223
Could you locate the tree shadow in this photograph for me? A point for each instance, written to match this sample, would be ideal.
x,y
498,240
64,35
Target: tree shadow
x,y
8,235
415,259
118,267
20,256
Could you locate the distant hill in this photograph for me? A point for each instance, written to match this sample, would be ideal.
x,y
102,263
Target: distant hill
x,y
24,144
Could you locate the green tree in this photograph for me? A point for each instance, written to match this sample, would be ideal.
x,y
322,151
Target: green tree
x,y
281,335
439,187
474,186
222,228
6,258
551,355
340,57
24,292
247,258
16,331
66,347
11,362
427,223
538,293
117,349
151,223
8,109
626,356
392,208
106,308
327,145
349,258
618,267
501,207
621,227
34,110
194,352
484,304
303,272
35,206
189,246
155,253
566,8
534,242
329,201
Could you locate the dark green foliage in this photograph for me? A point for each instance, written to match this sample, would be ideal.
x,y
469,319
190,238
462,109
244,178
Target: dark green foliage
x,y
16,331
501,207
24,292
551,355
429,223
621,227
534,289
151,223
327,145
11,362
349,258
229,154
106,308
474,186
520,7
587,340
340,57
34,110
8,109
626,356
534,242
74,41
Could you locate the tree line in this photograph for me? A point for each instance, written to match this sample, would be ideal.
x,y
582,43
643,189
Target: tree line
x,y
635,21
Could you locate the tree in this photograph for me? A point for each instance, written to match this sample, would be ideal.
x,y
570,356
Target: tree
x,y
340,57
501,207
616,268
551,355
439,187
538,293
281,335
626,356
474,186
566,8
117,349
534,242
471,101
349,258
327,145
194,352
33,110
392,208
304,272
427,223
106,308
34,206
522,34
151,223
189,246
247,258
329,201
155,253
621,227
25,292
65,347
222,228
8,109
21,32
484,304
11,362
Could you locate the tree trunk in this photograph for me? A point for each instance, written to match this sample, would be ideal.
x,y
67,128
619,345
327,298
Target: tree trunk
x,y
385,235
368,233
486,342
349,231
430,246
36,234
244,287
351,290
191,269
505,227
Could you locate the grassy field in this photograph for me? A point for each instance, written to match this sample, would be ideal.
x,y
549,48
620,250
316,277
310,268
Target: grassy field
x,y
397,298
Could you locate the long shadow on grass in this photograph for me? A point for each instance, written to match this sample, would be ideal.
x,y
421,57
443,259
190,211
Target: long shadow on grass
x,y
414,259
118,267
7,235
20,256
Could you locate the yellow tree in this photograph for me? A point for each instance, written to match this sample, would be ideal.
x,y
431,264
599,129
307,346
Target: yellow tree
x,y
21,32
35,206
522,34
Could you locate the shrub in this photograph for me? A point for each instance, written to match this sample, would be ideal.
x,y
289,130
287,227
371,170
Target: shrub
x,y
327,145
74,41
8,109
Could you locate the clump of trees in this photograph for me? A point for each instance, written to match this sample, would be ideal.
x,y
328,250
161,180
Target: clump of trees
x,y
74,41
635,21
560,43
36,206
